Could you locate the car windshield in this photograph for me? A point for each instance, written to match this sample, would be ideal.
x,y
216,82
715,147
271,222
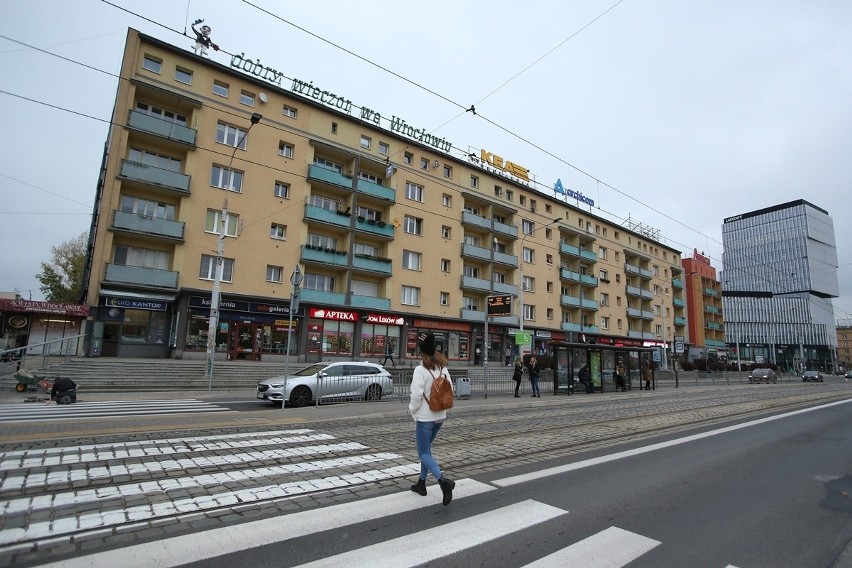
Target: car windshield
x,y
760,372
812,373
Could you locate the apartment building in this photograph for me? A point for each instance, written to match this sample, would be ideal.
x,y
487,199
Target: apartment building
x,y
705,322
394,230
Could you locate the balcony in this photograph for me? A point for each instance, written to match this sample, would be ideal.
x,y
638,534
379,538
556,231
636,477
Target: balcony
x,y
678,302
506,259
570,250
712,309
158,177
469,218
471,283
506,230
472,251
378,228
146,225
647,294
570,301
162,128
634,313
590,329
679,321
372,189
140,276
472,315
314,213
322,297
503,288
588,255
677,283
369,302
330,177
648,315
713,325
631,269
372,265
586,280
589,305
568,326
569,275
327,257
711,292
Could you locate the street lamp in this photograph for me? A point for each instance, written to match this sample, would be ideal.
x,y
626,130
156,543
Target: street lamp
x,y
215,294
296,281
522,287
665,335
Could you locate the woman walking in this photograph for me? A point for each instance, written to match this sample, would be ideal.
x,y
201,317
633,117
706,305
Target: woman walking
x,y
534,370
428,422
518,375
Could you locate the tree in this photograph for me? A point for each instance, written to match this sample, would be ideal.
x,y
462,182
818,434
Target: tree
x,y
62,278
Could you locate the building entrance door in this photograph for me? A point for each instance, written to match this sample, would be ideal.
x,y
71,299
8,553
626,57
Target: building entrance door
x,y
112,333
245,341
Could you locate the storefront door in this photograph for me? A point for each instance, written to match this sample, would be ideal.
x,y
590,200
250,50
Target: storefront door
x,y
245,341
112,334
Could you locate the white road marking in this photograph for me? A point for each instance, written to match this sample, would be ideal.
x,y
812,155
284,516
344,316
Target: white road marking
x,y
226,540
612,547
444,540
534,475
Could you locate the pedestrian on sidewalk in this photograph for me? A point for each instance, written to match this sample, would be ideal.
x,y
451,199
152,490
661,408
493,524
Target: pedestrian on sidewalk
x,y
647,375
428,422
518,375
389,355
534,371
585,378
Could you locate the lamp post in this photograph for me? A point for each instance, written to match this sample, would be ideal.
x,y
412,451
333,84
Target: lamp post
x,y
665,343
522,287
215,294
296,281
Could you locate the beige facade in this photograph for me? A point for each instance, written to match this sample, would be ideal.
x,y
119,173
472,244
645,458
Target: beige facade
x,y
385,252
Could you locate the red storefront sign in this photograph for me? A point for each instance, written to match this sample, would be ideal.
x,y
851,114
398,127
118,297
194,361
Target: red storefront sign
x,y
44,307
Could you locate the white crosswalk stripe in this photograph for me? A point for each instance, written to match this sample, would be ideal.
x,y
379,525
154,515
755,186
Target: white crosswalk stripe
x,y
610,547
39,411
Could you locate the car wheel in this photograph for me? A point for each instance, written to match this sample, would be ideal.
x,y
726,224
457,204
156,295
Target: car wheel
x,y
374,392
301,396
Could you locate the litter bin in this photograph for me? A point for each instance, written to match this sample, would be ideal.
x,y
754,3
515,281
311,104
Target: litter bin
x,y
462,387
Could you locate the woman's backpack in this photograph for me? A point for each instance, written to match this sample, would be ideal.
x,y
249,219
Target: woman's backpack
x,y
441,394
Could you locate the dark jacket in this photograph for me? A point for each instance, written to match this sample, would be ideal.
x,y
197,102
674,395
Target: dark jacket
x,y
533,368
584,375
61,385
518,374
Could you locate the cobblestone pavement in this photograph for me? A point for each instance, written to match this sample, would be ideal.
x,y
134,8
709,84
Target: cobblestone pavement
x,y
93,484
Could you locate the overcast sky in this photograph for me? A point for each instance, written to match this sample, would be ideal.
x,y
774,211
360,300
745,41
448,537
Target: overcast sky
x,y
672,113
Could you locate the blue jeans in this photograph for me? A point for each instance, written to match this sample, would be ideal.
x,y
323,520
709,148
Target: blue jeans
x,y
534,381
425,434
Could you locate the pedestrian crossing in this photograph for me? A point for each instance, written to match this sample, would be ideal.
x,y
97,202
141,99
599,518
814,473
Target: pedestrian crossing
x,y
40,411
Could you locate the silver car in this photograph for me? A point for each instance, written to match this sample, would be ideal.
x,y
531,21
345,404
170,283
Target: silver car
x,y
762,375
333,382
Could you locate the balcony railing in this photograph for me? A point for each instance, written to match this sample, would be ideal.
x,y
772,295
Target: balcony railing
x,y
472,283
634,313
373,189
472,315
679,321
165,128
134,171
590,329
331,177
566,274
373,265
507,259
587,280
678,302
322,297
677,283
570,301
569,326
144,224
475,252
504,288
571,250
505,229
469,218
374,227
140,276
590,304
369,302
588,255
329,257
314,213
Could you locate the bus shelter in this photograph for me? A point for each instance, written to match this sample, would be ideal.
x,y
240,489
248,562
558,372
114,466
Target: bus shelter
x,y
603,360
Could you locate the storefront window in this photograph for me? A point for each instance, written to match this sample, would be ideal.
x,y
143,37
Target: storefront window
x,y
375,338
337,338
135,328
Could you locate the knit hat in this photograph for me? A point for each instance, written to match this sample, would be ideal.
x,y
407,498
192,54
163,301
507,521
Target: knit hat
x,y
426,343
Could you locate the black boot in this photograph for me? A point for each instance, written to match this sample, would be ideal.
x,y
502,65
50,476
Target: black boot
x,y
419,487
447,486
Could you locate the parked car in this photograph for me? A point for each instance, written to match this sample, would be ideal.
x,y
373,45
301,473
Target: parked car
x,y
762,375
811,377
341,380
848,375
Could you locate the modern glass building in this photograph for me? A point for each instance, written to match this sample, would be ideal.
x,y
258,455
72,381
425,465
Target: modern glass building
x,y
779,278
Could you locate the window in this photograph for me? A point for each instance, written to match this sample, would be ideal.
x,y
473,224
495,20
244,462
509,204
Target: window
x,y
604,322
413,191
164,114
289,111
548,234
368,214
147,208
533,205
220,88
366,142
447,200
510,195
326,203
604,299
550,313
445,265
618,301
384,149
322,241
498,277
529,312
213,224
273,273
617,278
547,208
474,181
223,178
498,191
142,257
527,227
408,157
469,303
231,135
445,232
528,284
549,287
528,255
548,258
318,282
470,271
208,268
413,225
285,149
604,276
617,256
371,178
444,299
334,128
277,231
152,63
183,75
448,171
247,98
328,164
410,296
424,163
411,260
523,200
602,253
281,189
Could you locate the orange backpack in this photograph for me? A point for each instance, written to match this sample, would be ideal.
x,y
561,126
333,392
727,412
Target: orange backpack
x,y
441,395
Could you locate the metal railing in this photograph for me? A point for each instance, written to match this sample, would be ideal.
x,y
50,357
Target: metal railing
x,y
50,352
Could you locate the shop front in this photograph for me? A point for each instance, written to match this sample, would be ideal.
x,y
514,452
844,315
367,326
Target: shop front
x,y
342,334
246,330
132,326
603,355
453,339
42,325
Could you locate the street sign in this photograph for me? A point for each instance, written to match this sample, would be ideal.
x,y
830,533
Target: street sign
x,y
678,347
500,305
523,338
